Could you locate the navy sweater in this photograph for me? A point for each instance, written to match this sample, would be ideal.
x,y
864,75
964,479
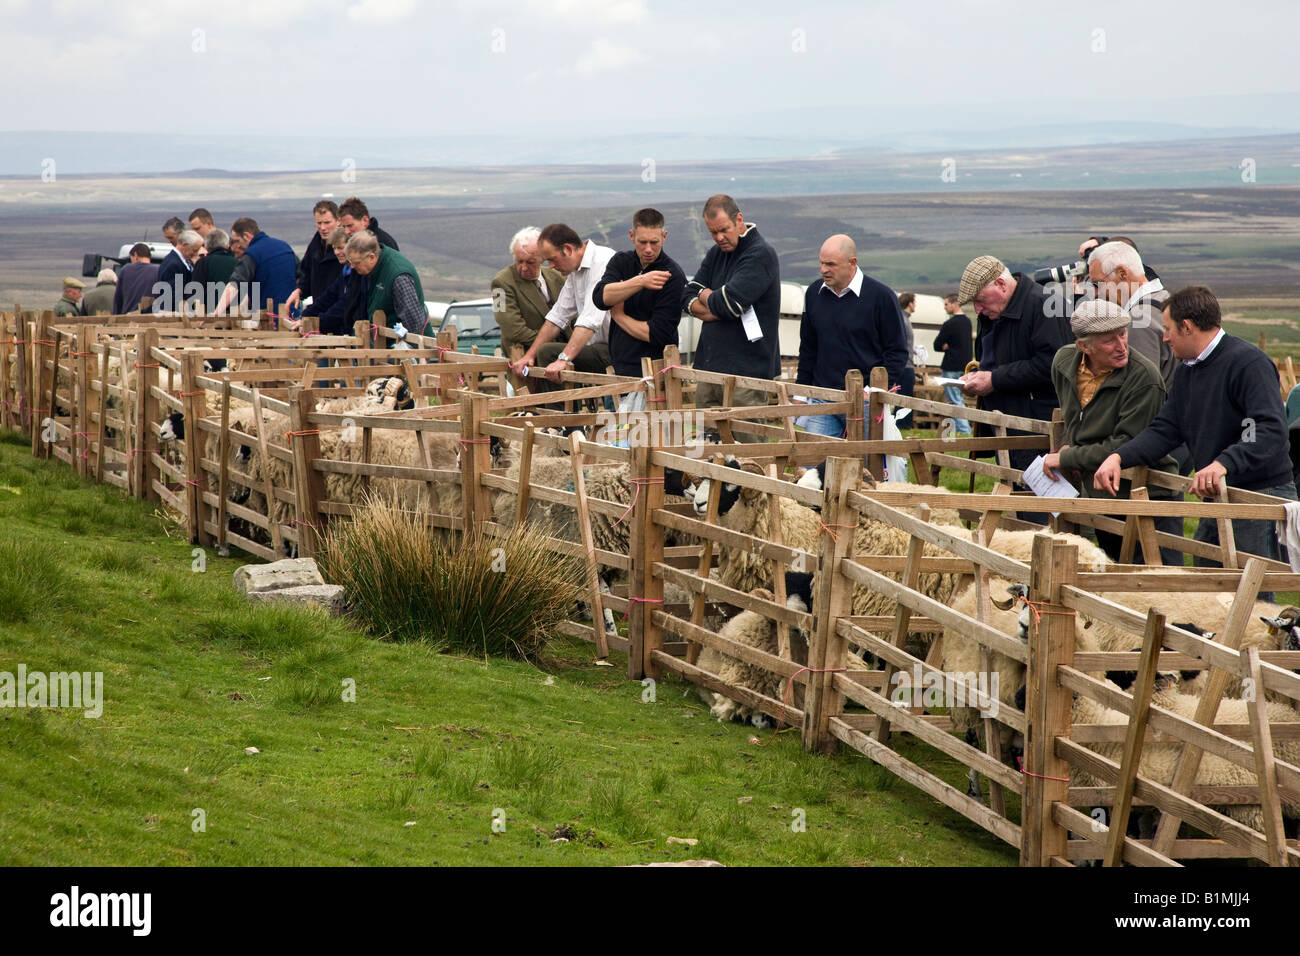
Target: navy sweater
x,y
850,331
661,308
748,276
1227,409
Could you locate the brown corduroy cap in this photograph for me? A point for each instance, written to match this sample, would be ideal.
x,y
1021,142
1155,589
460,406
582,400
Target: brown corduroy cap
x,y
1096,316
978,273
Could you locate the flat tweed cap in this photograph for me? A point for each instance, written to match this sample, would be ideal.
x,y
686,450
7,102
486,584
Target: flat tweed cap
x,y
979,273
1095,316
70,282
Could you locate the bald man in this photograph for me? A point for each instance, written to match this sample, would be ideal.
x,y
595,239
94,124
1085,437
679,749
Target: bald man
x,y
849,321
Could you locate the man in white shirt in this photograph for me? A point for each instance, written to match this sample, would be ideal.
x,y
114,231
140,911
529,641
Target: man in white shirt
x,y
582,264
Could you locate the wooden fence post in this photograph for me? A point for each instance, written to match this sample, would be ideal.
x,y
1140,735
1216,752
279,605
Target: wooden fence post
x,y
195,403
876,425
40,448
473,408
1048,706
833,600
855,424
146,413
86,336
672,384
310,482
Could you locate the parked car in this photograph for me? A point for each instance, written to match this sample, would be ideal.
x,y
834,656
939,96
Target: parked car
x,y
92,262
475,325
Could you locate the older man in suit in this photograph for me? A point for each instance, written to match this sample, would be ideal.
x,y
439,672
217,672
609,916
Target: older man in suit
x,y
522,294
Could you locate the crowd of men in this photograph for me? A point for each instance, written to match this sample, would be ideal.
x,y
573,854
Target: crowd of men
x,y
351,269
1143,377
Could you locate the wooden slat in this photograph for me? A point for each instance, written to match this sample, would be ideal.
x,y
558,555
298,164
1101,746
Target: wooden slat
x,y
941,790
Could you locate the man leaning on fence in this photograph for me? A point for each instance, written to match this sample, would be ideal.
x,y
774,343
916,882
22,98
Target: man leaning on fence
x,y
582,263
849,321
1109,392
1021,333
1226,404
522,294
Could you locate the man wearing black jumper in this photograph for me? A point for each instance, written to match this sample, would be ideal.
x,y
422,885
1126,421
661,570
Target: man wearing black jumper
x,y
642,289
1226,405
739,273
849,321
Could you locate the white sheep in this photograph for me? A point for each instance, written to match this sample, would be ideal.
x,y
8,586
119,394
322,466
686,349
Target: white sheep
x,y
753,630
1159,761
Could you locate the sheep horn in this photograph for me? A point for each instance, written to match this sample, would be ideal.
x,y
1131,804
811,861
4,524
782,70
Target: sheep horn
x,y
1015,593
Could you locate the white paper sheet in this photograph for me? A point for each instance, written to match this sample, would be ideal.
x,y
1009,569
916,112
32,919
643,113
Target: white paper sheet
x,y
948,381
749,321
1046,487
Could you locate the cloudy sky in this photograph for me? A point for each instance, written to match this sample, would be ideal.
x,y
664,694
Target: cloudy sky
x,y
572,68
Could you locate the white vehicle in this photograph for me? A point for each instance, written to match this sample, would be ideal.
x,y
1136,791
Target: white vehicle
x,y
92,262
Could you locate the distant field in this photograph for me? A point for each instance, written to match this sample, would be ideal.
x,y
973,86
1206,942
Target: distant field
x,y
1242,241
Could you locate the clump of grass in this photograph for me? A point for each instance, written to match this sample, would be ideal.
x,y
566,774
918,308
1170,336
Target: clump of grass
x,y
32,582
117,559
480,595
524,765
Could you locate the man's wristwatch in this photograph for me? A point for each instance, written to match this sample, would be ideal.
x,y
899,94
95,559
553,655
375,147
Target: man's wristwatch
x,y
564,358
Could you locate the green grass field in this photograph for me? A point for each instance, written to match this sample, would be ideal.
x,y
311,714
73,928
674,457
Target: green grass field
x,y
412,771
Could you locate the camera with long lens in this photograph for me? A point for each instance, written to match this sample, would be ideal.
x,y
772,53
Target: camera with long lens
x,y
1063,273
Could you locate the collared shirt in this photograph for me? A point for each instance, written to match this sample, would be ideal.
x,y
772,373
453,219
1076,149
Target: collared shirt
x,y
541,285
1208,349
574,305
1150,287
1087,382
854,286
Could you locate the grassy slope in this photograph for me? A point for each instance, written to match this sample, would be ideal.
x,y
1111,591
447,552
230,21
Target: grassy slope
x,y
90,582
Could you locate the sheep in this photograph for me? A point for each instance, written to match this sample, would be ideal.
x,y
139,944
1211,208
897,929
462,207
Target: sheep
x,y
753,630
746,511
609,483
1159,761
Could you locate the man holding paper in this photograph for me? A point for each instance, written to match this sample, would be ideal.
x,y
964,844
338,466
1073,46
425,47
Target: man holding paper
x,y
736,293
1109,393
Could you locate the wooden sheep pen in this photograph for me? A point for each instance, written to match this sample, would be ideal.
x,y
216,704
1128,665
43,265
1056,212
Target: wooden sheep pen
x,y
58,363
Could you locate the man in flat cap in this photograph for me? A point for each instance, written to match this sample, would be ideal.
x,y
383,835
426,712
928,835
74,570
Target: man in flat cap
x,y
1019,334
70,304
1108,392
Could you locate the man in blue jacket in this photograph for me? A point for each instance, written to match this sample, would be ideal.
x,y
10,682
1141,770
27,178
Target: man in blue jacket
x,y
266,270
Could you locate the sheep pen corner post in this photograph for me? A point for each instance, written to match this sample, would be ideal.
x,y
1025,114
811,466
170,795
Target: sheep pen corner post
x,y
833,600
1048,704
195,406
310,482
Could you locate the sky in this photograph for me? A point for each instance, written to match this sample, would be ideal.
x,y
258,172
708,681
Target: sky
x,y
570,69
